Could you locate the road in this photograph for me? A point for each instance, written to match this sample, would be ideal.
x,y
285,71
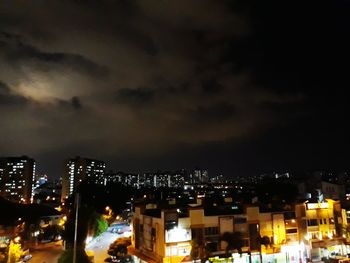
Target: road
x,y
48,253
101,244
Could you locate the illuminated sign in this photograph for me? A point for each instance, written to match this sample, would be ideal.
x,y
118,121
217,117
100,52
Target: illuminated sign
x,y
177,235
317,205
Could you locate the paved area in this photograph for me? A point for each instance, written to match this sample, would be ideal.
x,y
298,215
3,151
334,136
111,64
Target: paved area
x,y
48,253
101,244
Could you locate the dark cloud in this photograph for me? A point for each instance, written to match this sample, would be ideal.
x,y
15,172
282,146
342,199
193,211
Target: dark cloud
x,y
211,86
135,96
168,76
76,103
7,98
221,111
73,103
4,87
17,52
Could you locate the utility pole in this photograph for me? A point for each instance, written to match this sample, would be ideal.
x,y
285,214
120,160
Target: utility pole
x,y
76,227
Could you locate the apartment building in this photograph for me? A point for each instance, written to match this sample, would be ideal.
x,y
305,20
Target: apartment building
x,y
17,176
308,231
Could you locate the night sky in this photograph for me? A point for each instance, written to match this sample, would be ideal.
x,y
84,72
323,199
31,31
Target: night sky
x,y
238,87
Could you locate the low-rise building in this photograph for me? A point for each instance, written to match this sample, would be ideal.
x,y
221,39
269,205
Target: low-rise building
x,y
179,234
321,227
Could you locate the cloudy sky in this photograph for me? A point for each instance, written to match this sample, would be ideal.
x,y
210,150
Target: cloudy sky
x,y
238,87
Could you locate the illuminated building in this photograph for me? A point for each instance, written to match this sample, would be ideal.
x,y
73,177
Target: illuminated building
x,y
78,169
167,233
17,175
48,193
40,180
321,225
156,180
199,176
161,234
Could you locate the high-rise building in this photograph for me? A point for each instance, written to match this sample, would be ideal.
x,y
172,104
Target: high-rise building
x,y
199,176
17,175
78,169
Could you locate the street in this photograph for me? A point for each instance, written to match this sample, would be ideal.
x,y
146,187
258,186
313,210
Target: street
x,y
48,253
101,244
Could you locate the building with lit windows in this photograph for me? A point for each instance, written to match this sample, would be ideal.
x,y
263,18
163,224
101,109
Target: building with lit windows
x,y
17,176
301,233
78,169
199,176
321,227
169,234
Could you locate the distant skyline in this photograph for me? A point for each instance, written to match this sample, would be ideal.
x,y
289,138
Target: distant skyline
x,y
238,87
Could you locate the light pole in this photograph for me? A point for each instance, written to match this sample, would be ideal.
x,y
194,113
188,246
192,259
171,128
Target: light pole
x,y
76,227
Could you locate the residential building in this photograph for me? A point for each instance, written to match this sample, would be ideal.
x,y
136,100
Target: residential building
x,y
78,169
321,227
39,180
199,176
48,193
17,177
173,233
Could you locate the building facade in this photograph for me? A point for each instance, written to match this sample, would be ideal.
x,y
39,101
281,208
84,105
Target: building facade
x,y
321,228
290,236
17,178
78,169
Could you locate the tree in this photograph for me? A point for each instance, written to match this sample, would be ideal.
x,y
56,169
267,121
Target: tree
x,y
99,224
51,232
234,242
264,241
15,252
67,256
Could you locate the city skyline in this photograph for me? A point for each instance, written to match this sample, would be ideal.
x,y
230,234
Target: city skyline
x,y
235,87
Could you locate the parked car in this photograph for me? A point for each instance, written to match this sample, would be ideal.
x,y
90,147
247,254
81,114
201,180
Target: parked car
x,y
119,228
123,259
26,258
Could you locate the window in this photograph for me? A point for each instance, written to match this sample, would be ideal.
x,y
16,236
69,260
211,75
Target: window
x,y
291,231
314,235
324,221
240,220
212,246
312,222
197,233
210,231
320,221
